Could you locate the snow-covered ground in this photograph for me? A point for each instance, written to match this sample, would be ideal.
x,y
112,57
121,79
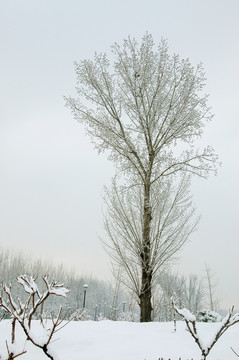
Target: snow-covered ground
x,y
108,340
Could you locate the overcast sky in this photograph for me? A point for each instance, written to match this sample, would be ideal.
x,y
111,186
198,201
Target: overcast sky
x,y
51,178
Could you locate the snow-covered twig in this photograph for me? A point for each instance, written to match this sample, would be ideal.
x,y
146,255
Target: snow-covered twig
x,y
190,321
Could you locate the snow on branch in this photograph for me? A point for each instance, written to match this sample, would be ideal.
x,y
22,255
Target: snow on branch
x,y
186,314
190,321
28,283
54,288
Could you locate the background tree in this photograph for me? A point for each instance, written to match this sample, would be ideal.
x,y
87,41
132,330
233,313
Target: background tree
x,y
147,109
213,298
188,291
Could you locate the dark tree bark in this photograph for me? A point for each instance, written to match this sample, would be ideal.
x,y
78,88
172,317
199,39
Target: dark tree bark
x,y
146,282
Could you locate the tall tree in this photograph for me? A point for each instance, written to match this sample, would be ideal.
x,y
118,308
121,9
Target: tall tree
x,y
146,108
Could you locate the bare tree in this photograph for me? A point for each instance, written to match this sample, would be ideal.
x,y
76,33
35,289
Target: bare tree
x,y
138,109
213,299
194,294
188,291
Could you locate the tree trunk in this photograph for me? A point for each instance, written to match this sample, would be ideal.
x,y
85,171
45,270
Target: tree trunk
x,y
145,298
146,281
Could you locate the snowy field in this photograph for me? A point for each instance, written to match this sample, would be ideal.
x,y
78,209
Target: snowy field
x,y
108,340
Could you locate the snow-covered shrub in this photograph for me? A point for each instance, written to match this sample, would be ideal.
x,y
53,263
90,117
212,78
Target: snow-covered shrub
x,y
24,310
80,315
128,316
101,317
208,316
190,320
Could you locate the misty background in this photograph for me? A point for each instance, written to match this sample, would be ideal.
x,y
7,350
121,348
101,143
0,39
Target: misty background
x,y
51,178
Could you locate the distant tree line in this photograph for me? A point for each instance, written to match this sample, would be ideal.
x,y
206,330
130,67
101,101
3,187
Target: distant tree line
x,y
99,293
105,300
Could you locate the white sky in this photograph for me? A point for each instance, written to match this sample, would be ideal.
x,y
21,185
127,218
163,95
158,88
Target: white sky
x,y
51,178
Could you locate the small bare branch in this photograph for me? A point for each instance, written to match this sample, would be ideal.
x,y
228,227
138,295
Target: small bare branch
x,y
235,352
12,356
